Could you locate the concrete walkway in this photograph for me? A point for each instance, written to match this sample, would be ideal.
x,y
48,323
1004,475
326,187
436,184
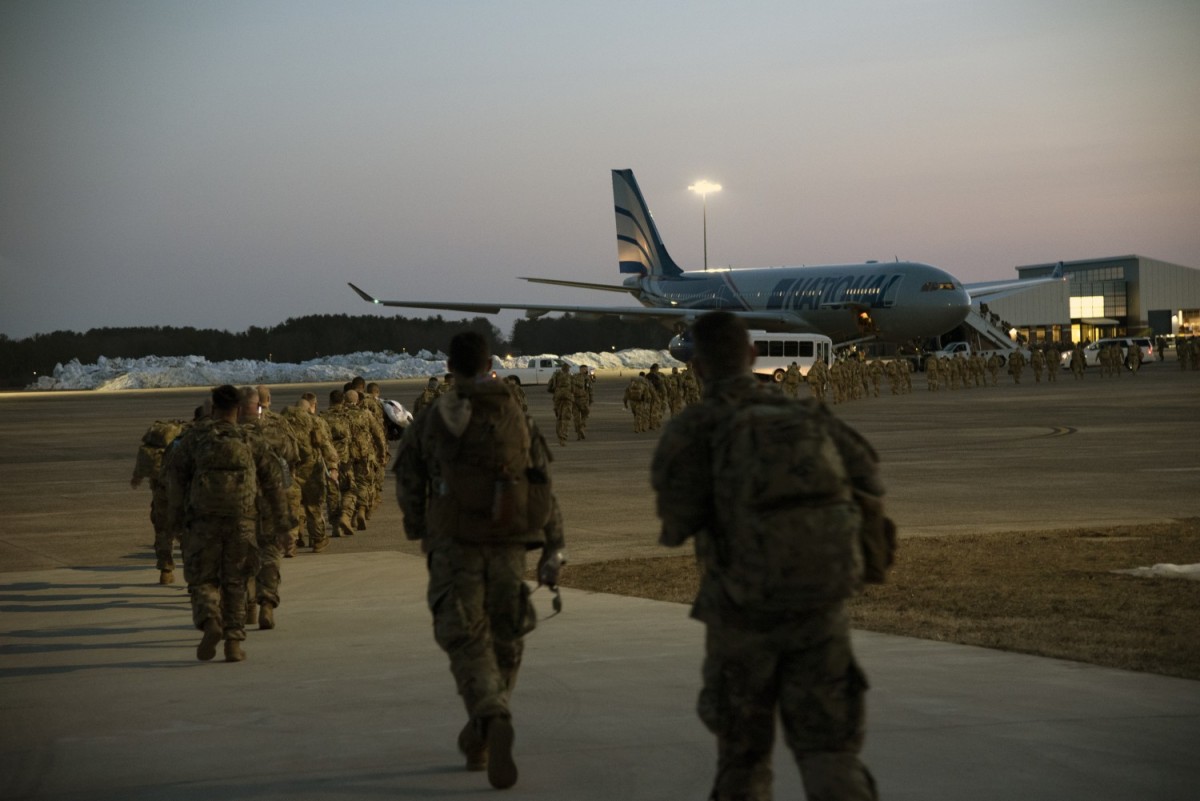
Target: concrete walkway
x,y
349,698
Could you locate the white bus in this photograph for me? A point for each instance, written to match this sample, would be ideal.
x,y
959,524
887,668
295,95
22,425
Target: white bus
x,y
776,352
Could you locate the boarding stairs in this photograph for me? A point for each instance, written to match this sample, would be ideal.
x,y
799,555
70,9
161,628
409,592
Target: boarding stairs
x,y
992,332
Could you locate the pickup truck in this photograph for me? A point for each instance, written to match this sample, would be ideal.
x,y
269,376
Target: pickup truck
x,y
538,371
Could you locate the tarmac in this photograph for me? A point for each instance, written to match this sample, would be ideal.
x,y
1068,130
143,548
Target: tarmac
x,y
349,697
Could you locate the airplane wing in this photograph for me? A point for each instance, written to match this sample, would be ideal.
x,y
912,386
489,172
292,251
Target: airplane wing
x,y
767,320
994,290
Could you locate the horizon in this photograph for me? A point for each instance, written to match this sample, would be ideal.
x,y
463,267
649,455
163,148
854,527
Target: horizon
x,y
222,165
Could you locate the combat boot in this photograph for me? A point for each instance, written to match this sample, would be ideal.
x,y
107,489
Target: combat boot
x,y
360,519
319,545
501,770
473,747
251,613
266,617
233,651
166,576
207,648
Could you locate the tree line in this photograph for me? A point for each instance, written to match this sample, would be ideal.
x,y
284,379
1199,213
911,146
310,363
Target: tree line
x,y
310,337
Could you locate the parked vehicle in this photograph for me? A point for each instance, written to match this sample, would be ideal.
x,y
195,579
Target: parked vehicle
x,y
538,371
776,352
1091,351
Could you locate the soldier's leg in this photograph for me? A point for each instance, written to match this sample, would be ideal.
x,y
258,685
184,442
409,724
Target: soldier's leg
x,y
267,577
239,561
821,705
737,704
362,493
164,542
510,614
561,422
349,501
293,537
312,504
202,566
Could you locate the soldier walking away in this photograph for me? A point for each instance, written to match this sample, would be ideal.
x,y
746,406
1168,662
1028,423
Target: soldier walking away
x,y
472,479
785,503
317,466
635,400
216,474
1078,361
149,465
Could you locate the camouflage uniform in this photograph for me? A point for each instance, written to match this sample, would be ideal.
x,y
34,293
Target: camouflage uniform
x,y
310,476
220,553
1038,361
691,387
658,396
581,397
341,497
278,434
477,593
1016,363
426,397
818,378
933,373
801,667
561,387
149,465
1078,362
791,381
634,400
674,381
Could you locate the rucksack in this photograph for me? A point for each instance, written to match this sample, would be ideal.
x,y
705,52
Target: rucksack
x,y
224,479
637,390
787,533
485,488
154,444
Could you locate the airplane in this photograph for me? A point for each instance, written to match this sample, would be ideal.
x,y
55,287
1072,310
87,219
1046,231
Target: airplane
x,y
895,302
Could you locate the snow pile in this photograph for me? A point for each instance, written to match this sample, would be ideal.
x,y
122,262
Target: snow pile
x,y
151,372
1164,571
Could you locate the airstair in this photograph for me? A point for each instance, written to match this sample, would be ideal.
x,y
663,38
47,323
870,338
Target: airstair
x,y
990,330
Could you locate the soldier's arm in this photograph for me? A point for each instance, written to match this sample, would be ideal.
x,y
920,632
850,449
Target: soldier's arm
x,y
680,475
412,480
271,469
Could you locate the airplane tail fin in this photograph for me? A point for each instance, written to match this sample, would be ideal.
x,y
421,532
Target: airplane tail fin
x,y
640,250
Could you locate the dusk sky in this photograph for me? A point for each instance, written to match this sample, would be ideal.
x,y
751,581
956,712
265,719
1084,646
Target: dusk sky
x,y
227,163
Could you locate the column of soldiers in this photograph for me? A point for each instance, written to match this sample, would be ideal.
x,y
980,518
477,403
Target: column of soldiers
x,y
240,487
649,395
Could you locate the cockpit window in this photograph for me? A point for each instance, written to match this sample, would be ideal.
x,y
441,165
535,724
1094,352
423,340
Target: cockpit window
x,y
937,286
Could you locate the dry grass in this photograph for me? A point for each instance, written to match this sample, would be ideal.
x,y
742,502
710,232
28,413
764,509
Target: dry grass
x,y
1046,593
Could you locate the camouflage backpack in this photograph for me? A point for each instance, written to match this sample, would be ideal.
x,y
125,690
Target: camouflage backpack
x,y
637,389
154,444
787,533
225,478
302,424
340,432
484,486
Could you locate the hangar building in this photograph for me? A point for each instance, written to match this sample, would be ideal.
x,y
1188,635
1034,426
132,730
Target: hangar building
x,y
1114,296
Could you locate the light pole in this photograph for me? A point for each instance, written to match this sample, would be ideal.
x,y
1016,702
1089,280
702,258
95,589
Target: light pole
x,y
702,188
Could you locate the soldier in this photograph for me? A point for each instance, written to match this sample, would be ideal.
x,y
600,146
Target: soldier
x,y
368,449
518,391
317,465
1016,363
1038,361
658,398
149,465
777,637
472,479
254,412
427,396
1078,361
217,474
993,366
1053,362
581,397
791,381
933,373
634,400
875,371
1135,357
691,387
818,378
341,496
675,400
561,388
